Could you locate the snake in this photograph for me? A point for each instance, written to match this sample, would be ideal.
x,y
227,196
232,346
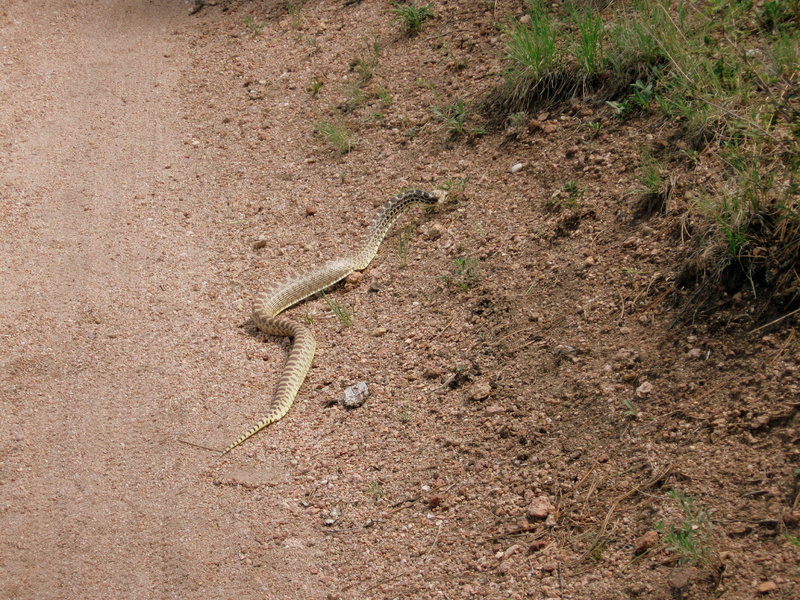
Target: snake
x,y
270,304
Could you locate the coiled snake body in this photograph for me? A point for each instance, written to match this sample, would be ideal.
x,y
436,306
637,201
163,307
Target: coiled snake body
x,y
270,304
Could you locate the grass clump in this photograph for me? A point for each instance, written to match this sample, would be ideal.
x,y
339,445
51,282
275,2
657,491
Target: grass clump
x,y
375,490
412,16
295,13
723,77
655,187
465,273
254,26
337,135
315,87
454,117
690,541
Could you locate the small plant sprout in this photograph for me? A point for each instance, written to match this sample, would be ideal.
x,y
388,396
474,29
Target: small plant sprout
x,y
412,16
385,97
454,186
638,100
465,273
454,117
375,490
690,540
574,192
293,8
254,26
338,136
315,87
630,408
340,310
402,245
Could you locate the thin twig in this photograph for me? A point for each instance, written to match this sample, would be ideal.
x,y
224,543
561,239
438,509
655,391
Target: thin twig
x,y
775,321
436,539
200,446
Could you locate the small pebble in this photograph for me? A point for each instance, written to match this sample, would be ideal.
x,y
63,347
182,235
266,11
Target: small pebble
x,y
480,391
378,332
310,210
540,508
766,587
434,232
681,577
355,277
517,168
694,353
645,542
644,389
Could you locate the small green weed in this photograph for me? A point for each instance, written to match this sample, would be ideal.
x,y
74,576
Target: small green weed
x,y
630,408
567,197
412,16
574,192
691,539
254,26
655,187
639,99
315,87
465,273
340,310
454,186
405,415
355,99
454,116
365,65
385,97
375,490
294,10
793,540
402,245
518,120
337,135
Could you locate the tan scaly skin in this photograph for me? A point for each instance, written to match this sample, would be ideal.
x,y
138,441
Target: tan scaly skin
x,y
269,305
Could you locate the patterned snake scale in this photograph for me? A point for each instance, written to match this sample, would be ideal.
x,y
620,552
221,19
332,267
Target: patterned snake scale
x,y
270,304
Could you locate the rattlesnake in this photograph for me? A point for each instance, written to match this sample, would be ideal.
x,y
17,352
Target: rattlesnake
x,y
270,304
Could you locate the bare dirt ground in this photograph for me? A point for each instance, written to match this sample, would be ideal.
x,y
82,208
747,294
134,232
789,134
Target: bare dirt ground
x,y
536,428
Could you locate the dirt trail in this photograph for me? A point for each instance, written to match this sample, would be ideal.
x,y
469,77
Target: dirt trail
x,y
104,349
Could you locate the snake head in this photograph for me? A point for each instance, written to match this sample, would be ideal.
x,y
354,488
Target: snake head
x,y
440,195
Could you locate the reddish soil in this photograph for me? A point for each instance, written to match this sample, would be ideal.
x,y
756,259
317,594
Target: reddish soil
x,y
541,398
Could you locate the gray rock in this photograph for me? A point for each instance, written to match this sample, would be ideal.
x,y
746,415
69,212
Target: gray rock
x,y
355,395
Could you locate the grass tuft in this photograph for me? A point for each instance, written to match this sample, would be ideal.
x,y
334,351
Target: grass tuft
x,y
691,540
454,117
412,16
337,135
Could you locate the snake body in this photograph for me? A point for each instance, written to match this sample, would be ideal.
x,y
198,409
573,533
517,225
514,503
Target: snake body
x,y
270,304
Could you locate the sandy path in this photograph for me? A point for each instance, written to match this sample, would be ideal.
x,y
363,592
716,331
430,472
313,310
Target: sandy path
x,y
104,345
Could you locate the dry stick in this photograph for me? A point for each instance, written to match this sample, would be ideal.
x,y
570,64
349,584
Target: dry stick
x,y
649,483
443,329
435,539
772,359
775,321
660,297
200,446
